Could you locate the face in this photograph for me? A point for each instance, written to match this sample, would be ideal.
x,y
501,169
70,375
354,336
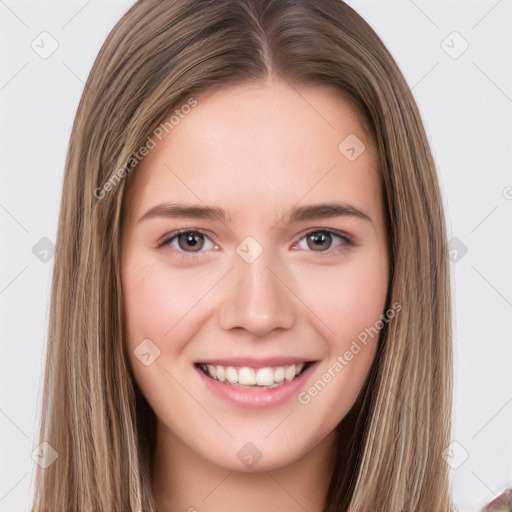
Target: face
x,y
254,256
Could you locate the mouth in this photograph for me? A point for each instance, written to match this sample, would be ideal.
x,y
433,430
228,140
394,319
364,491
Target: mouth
x,y
247,377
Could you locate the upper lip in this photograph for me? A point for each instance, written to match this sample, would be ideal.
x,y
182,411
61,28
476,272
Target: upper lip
x,y
255,362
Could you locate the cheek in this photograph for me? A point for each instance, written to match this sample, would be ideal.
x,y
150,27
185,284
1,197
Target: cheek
x,y
156,304
146,307
351,303
347,298
156,299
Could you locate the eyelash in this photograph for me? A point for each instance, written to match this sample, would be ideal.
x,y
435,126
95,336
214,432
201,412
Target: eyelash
x,y
347,241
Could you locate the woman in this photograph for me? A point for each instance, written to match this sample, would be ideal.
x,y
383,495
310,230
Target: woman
x,y
250,371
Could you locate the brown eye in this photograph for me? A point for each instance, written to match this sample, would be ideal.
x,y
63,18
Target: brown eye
x,y
326,242
191,240
319,240
188,243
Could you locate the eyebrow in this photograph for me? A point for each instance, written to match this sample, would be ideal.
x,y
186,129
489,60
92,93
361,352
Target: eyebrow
x,y
297,214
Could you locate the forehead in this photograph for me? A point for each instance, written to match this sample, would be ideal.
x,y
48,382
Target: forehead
x,y
251,145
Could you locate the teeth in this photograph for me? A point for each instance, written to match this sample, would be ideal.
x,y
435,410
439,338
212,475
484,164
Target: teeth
x,y
231,375
279,374
246,376
221,373
212,371
265,377
289,373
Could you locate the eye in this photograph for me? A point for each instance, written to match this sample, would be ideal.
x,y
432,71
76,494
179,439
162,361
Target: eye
x,y
187,241
321,240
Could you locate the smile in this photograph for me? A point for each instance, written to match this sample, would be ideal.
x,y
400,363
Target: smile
x,y
250,377
255,383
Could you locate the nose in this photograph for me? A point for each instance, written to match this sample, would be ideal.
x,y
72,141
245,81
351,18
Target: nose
x,y
257,298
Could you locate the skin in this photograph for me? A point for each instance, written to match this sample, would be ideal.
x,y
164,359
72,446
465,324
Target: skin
x,y
257,151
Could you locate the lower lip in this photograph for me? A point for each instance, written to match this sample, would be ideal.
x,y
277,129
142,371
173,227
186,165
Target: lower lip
x,y
256,398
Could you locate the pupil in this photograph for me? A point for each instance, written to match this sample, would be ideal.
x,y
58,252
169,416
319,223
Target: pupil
x,y
191,240
320,240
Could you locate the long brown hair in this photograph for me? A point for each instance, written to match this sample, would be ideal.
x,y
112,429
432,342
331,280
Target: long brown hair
x,y
161,54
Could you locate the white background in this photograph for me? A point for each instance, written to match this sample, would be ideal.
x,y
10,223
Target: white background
x,y
466,104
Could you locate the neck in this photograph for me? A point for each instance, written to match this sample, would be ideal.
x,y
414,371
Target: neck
x,y
183,481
